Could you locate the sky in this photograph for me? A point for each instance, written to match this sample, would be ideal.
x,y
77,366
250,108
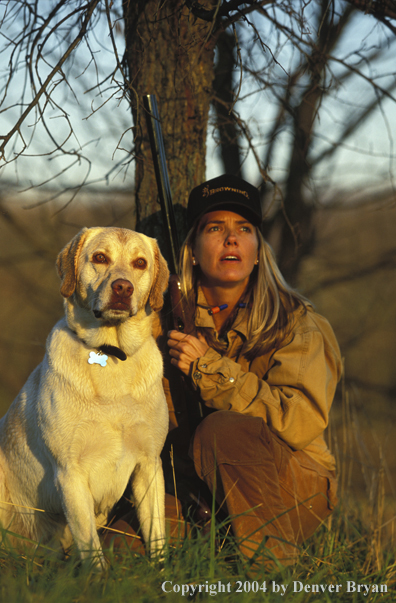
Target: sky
x,y
102,121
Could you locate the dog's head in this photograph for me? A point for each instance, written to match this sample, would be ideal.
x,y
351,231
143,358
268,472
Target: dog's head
x,y
113,272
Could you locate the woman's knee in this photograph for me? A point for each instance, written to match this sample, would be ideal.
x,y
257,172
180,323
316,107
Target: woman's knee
x,y
212,429
227,437
225,427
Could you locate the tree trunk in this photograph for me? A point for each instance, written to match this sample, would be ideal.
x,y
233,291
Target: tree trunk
x,y
168,54
224,99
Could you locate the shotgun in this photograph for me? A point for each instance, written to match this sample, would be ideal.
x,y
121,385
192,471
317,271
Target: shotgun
x,y
162,178
181,320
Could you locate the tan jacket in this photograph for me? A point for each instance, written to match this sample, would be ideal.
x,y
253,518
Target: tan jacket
x,y
291,388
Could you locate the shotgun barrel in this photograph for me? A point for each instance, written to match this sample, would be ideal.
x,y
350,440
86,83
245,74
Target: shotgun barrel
x,y
162,177
182,321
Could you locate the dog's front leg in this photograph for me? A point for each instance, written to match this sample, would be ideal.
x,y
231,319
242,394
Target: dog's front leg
x,y
78,506
149,494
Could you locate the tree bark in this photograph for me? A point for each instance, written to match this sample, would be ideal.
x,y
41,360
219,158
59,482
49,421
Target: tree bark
x,y
171,55
224,99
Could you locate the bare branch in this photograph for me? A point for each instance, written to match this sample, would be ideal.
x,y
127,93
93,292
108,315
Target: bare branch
x,y
43,89
377,8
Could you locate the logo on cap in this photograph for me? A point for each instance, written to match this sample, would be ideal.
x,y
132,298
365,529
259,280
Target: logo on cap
x,y
206,191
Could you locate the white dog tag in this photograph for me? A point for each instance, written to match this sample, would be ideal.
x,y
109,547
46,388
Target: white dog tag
x,y
97,358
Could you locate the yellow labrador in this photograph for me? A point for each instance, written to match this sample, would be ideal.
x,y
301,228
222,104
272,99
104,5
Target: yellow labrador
x,y
93,413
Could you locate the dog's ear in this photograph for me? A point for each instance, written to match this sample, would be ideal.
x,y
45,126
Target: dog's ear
x,y
66,263
160,280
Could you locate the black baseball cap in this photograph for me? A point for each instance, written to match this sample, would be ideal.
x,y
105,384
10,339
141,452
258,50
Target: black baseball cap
x,y
225,192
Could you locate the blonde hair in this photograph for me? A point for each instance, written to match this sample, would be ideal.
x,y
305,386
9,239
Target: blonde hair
x,y
272,302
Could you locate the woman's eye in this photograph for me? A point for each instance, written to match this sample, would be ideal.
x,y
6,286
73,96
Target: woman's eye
x,y
140,263
100,258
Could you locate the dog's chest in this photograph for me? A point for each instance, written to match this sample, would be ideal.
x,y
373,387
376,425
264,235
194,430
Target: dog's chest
x,y
130,378
108,448
110,419
107,452
94,374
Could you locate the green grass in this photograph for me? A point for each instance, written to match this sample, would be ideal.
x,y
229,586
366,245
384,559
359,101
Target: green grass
x,y
345,550
356,545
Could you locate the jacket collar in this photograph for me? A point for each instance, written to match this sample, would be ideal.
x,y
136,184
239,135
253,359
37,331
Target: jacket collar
x,y
204,319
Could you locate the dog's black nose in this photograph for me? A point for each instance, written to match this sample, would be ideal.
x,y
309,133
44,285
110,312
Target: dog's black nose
x,y
122,288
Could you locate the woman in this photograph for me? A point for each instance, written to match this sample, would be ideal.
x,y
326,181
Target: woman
x,y
267,363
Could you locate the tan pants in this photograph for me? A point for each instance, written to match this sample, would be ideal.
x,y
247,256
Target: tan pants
x,y
276,497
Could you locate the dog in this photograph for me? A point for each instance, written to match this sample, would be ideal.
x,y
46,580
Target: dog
x,y
93,414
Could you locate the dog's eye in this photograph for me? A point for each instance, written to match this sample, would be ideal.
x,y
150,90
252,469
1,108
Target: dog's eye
x,y
99,258
140,263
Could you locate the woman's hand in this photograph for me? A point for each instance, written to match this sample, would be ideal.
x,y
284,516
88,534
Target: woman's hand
x,y
184,349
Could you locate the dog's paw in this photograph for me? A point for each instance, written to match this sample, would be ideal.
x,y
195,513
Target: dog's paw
x,y
99,563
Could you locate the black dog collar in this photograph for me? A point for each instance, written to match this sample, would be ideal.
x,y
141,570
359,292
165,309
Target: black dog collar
x,y
109,350
112,350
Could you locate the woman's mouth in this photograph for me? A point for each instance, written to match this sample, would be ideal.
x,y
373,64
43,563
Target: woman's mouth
x,y
230,257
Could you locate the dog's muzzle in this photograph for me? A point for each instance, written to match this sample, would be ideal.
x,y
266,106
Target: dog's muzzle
x,y
120,300
121,296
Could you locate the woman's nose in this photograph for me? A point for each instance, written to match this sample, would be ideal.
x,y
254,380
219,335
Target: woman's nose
x,y
231,238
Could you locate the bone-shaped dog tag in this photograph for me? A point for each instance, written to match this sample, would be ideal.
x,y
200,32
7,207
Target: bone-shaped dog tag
x,y
97,358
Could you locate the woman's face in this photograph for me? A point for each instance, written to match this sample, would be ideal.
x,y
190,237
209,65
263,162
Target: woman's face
x,y
226,249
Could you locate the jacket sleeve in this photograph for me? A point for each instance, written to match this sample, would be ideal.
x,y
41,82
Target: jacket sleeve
x,y
293,397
